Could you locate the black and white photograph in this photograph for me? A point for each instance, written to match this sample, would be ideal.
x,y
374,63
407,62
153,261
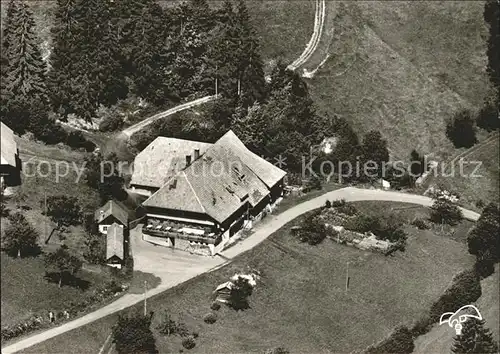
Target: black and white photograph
x,y
250,176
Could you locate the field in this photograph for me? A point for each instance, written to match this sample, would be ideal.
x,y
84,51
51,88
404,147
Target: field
x,y
25,291
300,301
440,338
403,68
482,184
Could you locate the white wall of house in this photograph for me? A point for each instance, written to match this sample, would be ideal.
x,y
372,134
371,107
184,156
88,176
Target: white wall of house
x,y
103,229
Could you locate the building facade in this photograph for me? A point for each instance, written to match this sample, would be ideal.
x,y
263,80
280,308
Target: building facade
x,y
225,189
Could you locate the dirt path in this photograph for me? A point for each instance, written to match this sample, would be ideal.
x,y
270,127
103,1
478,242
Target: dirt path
x,y
319,20
261,232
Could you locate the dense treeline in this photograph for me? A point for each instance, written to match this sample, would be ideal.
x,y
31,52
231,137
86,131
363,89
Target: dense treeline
x,y
104,51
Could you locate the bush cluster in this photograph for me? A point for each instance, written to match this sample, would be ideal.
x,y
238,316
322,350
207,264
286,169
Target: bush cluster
x,y
188,342
210,318
215,306
420,224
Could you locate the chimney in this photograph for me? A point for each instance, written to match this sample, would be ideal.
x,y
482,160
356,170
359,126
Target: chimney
x,y
196,153
188,160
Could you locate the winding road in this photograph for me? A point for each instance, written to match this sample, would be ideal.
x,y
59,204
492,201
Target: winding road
x,y
262,231
319,20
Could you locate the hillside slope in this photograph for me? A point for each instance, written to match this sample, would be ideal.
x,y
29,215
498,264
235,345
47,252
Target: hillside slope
x,y
403,68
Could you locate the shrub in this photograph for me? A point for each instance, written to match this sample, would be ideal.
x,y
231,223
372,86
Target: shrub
x,y
420,224
347,209
444,211
400,341
313,230
363,223
277,350
461,130
189,342
76,140
338,203
215,306
210,318
328,204
111,123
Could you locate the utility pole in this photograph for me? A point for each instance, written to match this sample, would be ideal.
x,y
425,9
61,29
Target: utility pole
x,y
145,297
239,87
45,211
347,277
216,81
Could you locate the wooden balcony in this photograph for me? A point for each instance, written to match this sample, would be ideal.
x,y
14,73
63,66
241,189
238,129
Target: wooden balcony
x,y
193,238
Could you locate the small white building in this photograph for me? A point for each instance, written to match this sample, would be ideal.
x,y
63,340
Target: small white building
x,y
115,246
109,213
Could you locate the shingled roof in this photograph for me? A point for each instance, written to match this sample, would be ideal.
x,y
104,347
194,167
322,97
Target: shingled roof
x,y
114,241
8,146
220,182
114,208
162,159
266,171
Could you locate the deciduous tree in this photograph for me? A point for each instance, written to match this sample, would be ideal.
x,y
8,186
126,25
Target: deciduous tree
x,y
19,237
62,263
461,130
132,334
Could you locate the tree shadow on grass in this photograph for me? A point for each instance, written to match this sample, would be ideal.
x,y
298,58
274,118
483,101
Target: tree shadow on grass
x,y
68,280
31,252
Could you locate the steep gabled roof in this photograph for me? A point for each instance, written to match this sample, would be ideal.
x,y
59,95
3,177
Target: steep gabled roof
x,y
266,171
220,182
177,194
114,208
8,146
114,241
162,159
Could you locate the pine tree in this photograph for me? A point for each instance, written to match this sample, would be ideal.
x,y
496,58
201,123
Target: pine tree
x,y
223,49
64,58
475,338
23,81
250,65
86,67
142,33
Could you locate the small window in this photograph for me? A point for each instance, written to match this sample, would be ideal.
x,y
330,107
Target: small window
x,y
104,228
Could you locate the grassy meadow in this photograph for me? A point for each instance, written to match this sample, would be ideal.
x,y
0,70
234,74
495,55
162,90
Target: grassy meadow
x,y
403,68
300,302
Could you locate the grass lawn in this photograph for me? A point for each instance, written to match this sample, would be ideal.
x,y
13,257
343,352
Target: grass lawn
x,y
300,302
403,68
483,184
39,179
25,291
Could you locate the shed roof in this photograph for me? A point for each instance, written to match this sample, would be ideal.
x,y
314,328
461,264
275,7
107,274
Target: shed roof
x,y
112,207
114,241
8,146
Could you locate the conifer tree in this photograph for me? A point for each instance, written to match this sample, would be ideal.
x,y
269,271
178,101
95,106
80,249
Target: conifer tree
x,y
23,81
250,66
142,33
64,58
475,338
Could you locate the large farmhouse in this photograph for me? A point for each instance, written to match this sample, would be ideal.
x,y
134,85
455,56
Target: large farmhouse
x,y
212,197
162,159
10,165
